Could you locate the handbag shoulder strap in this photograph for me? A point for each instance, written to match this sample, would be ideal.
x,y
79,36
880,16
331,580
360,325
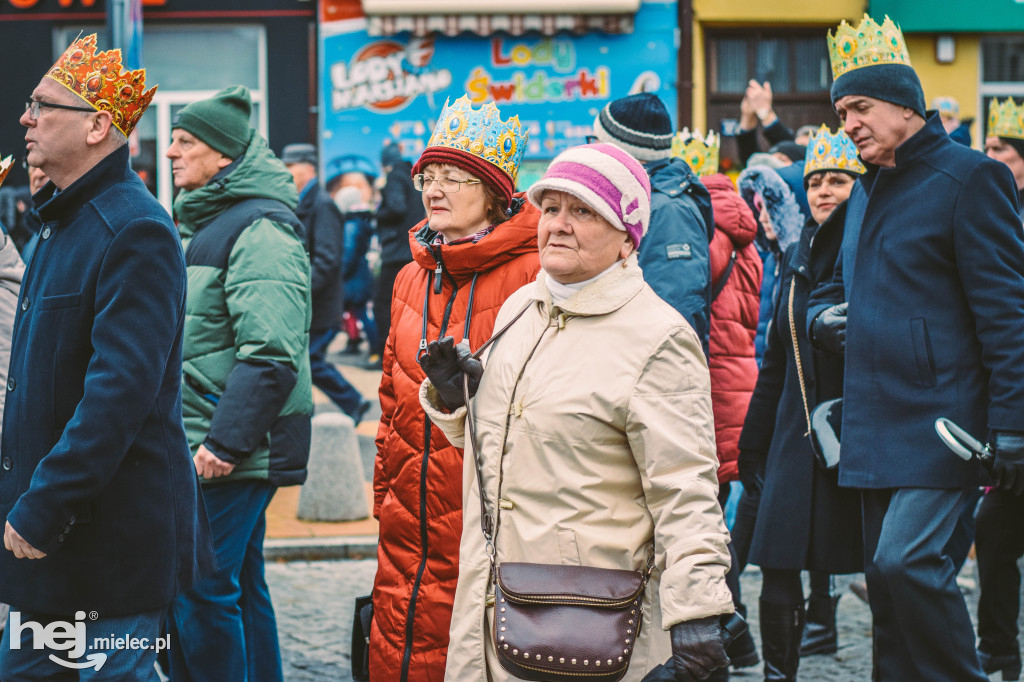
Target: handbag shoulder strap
x,y
724,279
796,354
486,522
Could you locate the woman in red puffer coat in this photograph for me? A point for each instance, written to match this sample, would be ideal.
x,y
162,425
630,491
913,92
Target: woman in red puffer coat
x,y
477,246
734,313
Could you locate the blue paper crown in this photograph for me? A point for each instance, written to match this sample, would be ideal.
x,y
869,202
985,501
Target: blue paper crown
x,y
827,151
482,133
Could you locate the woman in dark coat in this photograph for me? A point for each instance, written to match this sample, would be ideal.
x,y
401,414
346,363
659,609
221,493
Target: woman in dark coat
x,y
805,521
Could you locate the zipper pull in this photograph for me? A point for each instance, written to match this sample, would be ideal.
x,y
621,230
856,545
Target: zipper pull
x,y
437,278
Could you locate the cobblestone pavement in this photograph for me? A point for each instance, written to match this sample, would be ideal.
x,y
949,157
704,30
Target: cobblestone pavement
x,y
314,611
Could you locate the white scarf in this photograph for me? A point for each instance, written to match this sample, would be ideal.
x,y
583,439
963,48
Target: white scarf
x,y
560,293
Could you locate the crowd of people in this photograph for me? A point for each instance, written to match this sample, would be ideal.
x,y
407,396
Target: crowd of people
x,y
575,380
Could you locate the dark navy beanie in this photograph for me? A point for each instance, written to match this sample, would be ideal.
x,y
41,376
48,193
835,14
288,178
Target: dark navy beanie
x,y
639,124
1016,143
895,83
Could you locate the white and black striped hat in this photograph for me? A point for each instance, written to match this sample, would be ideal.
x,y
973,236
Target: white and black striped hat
x,y
639,124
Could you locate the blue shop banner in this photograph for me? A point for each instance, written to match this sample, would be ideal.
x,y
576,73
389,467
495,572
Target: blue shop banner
x,y
375,90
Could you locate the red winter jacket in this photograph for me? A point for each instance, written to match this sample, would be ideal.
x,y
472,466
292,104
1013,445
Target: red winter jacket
x,y
417,481
733,318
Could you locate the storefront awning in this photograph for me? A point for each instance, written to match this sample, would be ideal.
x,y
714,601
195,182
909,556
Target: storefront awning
x,y
486,24
952,16
450,18
441,7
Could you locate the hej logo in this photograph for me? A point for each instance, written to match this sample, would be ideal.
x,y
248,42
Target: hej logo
x,y
58,636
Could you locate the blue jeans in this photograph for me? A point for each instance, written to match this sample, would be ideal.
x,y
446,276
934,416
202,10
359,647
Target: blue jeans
x,y
922,631
326,376
224,627
129,662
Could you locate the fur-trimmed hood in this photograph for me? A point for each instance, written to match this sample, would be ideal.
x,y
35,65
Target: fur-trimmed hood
x,y
778,198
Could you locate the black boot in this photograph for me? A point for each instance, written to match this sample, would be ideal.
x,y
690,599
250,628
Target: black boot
x,y
820,632
1008,664
743,651
781,627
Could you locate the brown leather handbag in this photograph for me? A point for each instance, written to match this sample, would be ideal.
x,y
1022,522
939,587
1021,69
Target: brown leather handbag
x,y
555,622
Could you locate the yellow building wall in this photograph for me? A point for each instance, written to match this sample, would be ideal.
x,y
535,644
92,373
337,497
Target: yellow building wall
x,y
782,13
958,79
777,11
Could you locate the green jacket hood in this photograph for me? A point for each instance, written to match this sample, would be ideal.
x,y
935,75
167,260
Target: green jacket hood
x,y
257,174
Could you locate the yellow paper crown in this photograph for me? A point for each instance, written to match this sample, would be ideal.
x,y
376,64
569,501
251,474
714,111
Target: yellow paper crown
x,y
97,78
482,133
826,151
5,167
867,45
700,153
1006,119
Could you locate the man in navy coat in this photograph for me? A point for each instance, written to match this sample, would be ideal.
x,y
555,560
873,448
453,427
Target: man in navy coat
x,y
933,329
98,493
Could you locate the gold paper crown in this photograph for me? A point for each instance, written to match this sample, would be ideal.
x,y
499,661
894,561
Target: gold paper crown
x,y
867,45
97,78
700,153
1006,119
481,133
5,167
832,152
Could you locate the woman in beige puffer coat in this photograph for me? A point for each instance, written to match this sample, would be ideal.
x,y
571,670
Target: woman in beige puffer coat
x,y
595,406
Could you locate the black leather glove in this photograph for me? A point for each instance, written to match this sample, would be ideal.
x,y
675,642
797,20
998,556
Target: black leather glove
x,y
751,466
697,648
444,364
829,329
1008,466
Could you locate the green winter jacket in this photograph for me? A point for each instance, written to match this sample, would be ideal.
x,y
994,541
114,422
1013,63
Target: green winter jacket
x,y
247,393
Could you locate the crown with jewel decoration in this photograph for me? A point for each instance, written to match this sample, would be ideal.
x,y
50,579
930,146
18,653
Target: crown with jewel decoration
x,y
1006,119
699,152
867,45
827,151
5,167
97,78
482,133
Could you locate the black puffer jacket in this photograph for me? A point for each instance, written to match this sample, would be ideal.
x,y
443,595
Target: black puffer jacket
x,y
325,241
400,208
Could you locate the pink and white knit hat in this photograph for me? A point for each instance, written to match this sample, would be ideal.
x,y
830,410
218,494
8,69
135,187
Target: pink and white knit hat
x,y
607,179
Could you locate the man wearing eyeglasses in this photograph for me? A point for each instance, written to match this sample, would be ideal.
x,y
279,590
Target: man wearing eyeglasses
x,y
98,495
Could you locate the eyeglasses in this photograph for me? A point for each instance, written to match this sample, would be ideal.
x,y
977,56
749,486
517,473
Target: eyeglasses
x,y
33,105
421,182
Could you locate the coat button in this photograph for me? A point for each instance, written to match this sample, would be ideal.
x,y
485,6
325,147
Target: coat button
x,y
11,383
25,304
46,233
67,529
72,520
60,538
7,464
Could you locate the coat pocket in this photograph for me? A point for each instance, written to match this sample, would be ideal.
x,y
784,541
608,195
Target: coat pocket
x,y
59,301
923,358
567,547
